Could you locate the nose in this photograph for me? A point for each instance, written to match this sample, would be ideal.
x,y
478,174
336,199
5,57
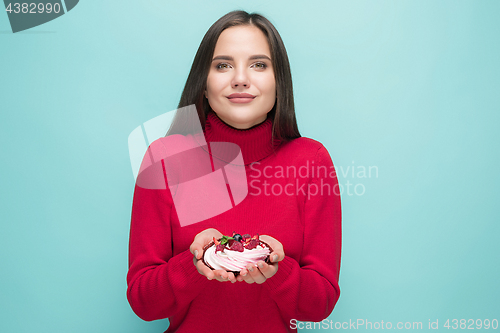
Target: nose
x,y
240,78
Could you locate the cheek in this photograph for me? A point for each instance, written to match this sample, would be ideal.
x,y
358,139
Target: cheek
x,y
269,87
266,84
211,82
216,84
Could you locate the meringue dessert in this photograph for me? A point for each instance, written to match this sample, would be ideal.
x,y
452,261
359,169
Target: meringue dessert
x,y
232,254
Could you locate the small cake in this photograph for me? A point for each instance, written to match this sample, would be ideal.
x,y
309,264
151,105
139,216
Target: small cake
x,y
232,254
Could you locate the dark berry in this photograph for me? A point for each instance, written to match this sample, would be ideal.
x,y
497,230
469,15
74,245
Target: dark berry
x,y
237,246
237,237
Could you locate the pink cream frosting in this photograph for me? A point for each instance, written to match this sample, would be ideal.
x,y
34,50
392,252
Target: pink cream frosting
x,y
230,260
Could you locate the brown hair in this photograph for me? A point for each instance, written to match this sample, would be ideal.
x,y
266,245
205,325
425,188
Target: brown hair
x,y
283,112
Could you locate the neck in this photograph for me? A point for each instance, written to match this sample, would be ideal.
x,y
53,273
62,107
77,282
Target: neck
x,y
255,142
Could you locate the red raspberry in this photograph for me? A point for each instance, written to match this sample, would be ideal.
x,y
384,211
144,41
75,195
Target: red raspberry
x,y
237,246
252,244
220,247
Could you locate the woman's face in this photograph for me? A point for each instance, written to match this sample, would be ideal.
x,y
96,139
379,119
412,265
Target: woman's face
x,y
241,65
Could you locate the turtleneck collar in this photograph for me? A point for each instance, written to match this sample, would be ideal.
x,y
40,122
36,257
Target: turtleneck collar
x,y
255,142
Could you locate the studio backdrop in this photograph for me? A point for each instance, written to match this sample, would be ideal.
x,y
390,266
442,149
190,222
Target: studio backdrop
x,y
403,94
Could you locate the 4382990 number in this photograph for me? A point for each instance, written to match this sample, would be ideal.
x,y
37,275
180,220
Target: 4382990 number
x,y
471,324
33,8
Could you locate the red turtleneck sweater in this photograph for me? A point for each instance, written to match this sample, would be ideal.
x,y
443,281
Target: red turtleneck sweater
x,y
293,196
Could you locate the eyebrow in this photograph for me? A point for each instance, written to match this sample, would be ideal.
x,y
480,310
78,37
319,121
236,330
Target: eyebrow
x,y
257,56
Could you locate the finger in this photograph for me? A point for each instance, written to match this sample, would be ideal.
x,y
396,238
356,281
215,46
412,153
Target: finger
x,y
204,270
240,276
231,277
267,270
220,275
277,256
245,276
256,274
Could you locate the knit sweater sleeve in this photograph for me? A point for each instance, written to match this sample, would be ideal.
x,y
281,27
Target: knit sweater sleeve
x,y
160,284
308,290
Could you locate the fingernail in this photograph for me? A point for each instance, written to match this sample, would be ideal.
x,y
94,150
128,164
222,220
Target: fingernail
x,y
244,274
196,253
275,257
260,265
251,269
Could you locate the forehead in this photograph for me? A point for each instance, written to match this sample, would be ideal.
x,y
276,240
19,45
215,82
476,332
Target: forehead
x,y
242,40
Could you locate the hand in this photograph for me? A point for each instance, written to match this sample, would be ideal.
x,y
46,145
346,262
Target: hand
x,y
196,248
263,271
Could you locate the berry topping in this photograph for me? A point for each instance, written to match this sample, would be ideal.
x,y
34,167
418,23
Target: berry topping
x,y
252,244
220,247
238,242
237,246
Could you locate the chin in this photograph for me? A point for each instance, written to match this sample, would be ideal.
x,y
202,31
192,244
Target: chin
x,y
248,121
241,117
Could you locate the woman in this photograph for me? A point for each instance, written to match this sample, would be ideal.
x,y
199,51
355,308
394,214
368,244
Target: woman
x,y
241,85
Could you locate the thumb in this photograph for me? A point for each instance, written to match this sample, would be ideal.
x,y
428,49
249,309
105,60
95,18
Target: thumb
x,y
197,247
196,250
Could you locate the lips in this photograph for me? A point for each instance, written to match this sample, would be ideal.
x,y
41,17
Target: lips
x,y
240,95
241,98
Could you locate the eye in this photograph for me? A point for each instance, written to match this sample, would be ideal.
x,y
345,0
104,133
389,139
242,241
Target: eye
x,y
222,65
260,65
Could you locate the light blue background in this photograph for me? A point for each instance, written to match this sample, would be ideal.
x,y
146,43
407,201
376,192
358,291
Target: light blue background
x,y
410,87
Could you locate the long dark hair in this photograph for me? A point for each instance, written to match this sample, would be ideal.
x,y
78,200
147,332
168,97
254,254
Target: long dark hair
x,y
282,114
